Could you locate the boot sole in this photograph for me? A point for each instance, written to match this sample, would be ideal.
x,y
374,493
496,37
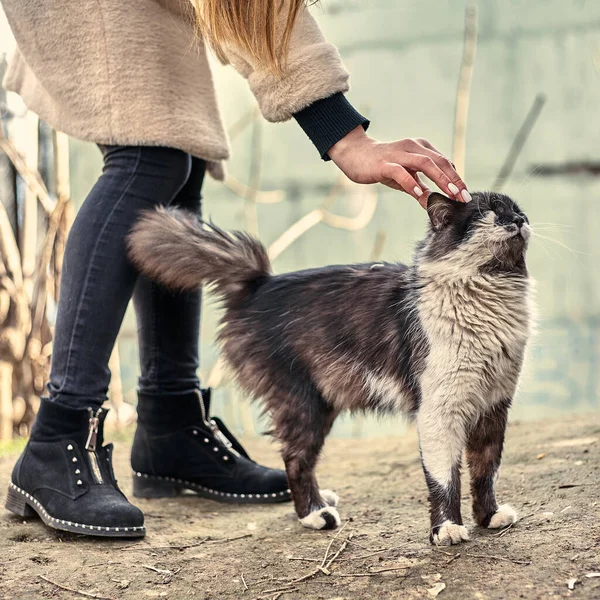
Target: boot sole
x,y
23,504
155,486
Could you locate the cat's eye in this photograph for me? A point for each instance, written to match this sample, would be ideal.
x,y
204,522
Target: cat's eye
x,y
499,210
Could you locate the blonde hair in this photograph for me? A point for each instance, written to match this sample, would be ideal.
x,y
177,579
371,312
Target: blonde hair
x,y
250,27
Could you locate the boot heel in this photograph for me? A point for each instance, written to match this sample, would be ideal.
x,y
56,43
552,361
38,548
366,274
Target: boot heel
x,y
16,503
153,487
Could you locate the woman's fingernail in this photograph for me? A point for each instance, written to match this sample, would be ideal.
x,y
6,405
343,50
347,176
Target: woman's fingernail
x,y
453,189
466,196
418,191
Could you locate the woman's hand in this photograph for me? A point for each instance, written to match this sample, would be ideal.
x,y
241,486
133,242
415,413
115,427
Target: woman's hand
x,y
397,164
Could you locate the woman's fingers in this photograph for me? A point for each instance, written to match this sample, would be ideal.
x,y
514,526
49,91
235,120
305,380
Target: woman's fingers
x,y
455,186
428,166
426,191
394,173
427,144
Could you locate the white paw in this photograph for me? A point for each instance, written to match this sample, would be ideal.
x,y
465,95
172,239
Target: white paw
x,y
450,533
330,497
324,518
503,517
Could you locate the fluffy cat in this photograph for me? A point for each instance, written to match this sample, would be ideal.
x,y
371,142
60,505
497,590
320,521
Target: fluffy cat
x,y
442,341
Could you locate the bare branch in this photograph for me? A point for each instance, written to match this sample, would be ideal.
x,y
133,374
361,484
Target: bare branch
x,y
519,141
31,178
260,196
464,88
377,251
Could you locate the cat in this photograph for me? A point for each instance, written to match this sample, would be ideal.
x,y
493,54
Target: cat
x,y
442,341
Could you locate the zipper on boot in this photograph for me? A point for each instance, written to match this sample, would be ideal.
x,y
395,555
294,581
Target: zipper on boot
x,y
219,435
90,445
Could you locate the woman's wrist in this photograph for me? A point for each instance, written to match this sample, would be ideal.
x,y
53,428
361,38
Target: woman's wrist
x,y
349,142
327,121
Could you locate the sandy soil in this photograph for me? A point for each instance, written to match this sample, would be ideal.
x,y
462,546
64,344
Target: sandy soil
x,y
196,548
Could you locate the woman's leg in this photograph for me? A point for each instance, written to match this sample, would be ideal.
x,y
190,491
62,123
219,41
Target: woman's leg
x,y
98,279
169,321
174,447
65,474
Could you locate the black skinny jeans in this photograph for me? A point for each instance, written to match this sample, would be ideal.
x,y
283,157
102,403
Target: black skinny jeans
x,y
98,282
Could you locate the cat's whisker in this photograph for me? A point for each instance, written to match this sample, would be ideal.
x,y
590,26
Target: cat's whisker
x,y
550,229
551,226
528,177
559,243
552,256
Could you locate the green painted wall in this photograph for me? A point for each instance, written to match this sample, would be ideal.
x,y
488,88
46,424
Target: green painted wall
x,y
404,57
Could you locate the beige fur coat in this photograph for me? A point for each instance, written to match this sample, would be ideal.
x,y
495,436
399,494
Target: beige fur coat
x,y
129,72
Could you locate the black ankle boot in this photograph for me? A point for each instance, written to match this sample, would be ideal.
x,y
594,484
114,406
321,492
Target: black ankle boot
x,y
65,476
177,447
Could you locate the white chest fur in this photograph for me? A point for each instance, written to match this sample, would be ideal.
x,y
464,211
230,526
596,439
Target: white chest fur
x,y
477,328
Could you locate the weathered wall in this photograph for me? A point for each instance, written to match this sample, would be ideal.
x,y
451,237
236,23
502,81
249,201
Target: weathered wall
x,y
404,57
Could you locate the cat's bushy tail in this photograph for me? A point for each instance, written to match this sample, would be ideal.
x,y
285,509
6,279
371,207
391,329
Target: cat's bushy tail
x,y
175,248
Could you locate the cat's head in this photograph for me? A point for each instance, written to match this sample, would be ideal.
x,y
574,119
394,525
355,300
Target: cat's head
x,y
489,233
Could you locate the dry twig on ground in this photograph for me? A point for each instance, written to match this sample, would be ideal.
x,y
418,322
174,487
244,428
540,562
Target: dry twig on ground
x,y
74,591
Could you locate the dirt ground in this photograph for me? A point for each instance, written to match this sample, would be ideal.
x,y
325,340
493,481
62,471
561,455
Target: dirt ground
x,y
197,548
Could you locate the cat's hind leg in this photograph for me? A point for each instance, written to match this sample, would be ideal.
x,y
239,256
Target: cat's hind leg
x,y
484,452
301,424
331,498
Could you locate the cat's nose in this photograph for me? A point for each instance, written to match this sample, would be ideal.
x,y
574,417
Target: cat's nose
x,y
518,220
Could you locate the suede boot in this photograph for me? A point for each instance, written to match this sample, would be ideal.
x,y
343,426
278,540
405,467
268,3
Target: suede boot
x,y
65,476
178,447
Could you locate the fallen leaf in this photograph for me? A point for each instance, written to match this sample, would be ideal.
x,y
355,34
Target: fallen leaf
x,y
437,589
571,583
540,456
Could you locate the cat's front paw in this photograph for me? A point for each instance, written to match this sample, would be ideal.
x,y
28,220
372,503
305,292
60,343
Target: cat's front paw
x,y
450,533
505,515
324,518
331,498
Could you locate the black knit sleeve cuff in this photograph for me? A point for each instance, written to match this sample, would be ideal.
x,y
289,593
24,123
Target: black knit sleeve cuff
x,y
327,121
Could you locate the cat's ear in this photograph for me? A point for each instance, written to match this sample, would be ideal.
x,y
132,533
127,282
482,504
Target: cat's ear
x,y
441,210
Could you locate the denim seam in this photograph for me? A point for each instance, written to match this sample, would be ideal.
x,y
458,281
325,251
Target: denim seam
x,y
154,370
77,321
153,376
